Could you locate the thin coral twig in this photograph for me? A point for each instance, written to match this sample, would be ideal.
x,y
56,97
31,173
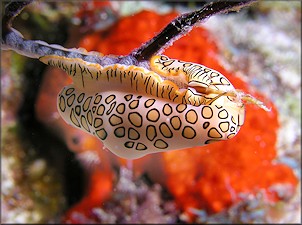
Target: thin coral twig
x,y
182,25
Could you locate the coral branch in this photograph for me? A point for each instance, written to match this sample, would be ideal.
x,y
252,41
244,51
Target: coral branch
x,y
12,10
12,39
182,25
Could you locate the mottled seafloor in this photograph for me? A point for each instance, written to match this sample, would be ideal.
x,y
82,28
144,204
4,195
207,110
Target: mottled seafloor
x,y
267,54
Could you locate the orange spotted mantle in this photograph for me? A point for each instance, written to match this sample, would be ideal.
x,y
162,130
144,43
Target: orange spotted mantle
x,y
194,177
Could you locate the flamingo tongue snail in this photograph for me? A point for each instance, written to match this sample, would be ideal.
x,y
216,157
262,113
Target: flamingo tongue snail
x,y
147,112
143,103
